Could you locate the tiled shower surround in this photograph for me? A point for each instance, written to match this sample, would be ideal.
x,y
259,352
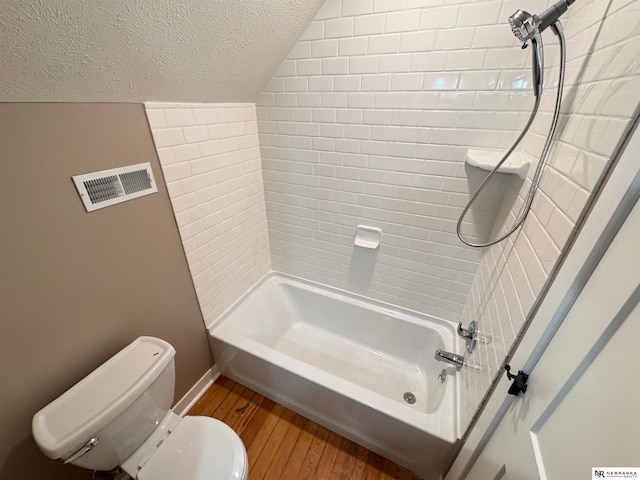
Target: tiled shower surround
x,y
368,121
602,91
211,162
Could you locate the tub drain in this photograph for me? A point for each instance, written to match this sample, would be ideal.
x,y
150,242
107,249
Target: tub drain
x,y
409,398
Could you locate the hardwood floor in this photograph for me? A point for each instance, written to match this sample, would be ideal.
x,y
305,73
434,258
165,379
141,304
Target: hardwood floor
x,y
283,445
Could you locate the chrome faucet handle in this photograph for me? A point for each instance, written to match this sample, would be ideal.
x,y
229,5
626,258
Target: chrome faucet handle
x,y
470,334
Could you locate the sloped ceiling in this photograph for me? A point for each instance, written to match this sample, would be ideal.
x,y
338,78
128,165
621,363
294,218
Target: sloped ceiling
x,y
139,50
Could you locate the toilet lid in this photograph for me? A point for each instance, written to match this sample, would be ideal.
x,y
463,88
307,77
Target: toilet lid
x,y
200,448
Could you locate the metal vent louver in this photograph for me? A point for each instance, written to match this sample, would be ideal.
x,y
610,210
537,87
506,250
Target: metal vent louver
x,y
108,187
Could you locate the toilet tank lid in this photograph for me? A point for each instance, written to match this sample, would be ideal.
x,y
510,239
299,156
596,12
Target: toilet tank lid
x,y
70,420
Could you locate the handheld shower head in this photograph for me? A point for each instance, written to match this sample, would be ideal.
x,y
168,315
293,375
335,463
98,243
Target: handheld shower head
x,y
525,27
528,28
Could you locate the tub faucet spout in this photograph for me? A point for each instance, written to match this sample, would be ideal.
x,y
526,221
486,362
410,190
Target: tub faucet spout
x,y
452,358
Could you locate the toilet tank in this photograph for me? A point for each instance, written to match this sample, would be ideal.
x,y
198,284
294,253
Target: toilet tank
x,y
120,404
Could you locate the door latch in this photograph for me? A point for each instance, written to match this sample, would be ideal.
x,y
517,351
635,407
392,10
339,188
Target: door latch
x,y
519,381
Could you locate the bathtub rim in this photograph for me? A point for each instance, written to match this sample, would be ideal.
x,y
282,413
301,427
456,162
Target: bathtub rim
x,y
426,422
448,324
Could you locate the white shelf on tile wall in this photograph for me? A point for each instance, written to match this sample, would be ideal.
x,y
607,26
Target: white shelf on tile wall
x,y
517,164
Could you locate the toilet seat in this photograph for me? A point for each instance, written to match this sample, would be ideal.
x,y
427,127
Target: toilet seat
x,y
200,448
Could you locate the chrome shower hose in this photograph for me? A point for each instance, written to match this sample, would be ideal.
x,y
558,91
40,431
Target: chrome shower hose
x,y
535,181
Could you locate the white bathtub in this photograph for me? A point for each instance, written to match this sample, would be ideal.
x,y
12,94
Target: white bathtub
x,y
346,362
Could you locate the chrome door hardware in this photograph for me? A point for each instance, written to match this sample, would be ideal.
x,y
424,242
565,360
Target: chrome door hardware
x,y
469,334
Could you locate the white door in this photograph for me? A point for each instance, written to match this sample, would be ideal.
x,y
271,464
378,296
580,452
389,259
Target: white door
x,y
581,409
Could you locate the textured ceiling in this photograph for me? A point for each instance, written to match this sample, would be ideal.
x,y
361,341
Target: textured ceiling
x,y
139,50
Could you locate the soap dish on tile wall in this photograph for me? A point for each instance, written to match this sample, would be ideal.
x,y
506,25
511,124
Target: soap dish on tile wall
x,y
367,237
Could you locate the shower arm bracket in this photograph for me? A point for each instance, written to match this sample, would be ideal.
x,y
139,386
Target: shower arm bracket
x,y
470,335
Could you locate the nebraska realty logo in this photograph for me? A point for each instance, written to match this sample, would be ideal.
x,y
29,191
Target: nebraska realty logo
x,y
614,472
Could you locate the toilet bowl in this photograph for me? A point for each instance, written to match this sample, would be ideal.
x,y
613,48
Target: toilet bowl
x,y
198,448
119,415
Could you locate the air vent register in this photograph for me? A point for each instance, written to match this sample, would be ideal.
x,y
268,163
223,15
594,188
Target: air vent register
x,y
108,187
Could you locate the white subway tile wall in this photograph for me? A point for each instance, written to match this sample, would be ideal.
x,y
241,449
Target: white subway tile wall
x,y
368,120
602,68
210,158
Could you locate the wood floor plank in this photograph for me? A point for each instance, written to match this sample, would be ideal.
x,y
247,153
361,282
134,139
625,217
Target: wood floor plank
x,y
250,431
294,467
242,408
282,445
360,463
396,472
329,453
283,454
345,460
314,453
374,467
263,460
264,434
392,471
227,404
248,414
208,403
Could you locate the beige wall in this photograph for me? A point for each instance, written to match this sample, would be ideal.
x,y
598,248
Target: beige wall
x,y
75,287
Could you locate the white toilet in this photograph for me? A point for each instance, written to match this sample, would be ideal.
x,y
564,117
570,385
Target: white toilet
x,y
120,415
